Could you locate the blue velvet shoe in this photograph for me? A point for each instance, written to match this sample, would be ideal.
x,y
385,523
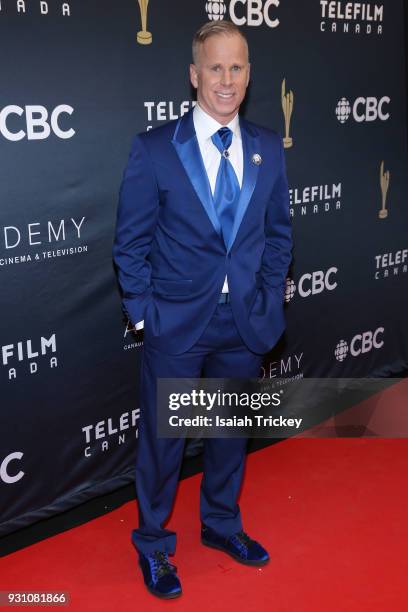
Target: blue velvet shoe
x,y
239,546
160,575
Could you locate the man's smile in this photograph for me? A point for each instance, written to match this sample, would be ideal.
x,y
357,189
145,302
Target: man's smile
x,y
225,96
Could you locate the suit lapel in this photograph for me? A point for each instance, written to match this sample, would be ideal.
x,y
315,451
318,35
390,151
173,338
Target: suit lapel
x,y
250,146
186,144
187,148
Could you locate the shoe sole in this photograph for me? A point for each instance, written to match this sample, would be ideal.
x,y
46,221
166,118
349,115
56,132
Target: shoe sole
x,y
236,557
163,595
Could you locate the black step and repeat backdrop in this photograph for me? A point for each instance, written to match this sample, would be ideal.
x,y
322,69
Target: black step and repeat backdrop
x,y
79,80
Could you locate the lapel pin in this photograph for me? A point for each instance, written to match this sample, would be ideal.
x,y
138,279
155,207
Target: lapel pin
x,y
256,159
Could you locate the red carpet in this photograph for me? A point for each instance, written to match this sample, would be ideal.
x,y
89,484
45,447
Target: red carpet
x,y
332,512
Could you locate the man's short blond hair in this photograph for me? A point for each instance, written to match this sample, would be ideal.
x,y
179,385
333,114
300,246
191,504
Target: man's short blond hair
x,y
214,28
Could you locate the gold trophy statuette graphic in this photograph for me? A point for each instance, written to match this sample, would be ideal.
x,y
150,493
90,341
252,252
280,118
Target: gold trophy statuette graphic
x,y
144,37
384,183
287,106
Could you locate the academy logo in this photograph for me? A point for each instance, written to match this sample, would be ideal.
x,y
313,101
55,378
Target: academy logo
x,y
363,109
287,368
132,337
143,36
384,184
287,100
252,13
35,242
360,344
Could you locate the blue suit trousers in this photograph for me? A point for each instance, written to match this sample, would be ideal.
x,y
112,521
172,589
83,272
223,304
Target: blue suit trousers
x,y
219,353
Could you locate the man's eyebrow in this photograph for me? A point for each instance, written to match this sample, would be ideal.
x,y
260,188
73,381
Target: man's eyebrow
x,y
213,64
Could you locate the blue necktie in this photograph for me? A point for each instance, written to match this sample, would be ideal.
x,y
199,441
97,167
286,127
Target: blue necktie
x,y
227,189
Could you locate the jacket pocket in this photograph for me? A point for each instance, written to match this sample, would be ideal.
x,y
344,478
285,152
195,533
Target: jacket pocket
x,y
164,286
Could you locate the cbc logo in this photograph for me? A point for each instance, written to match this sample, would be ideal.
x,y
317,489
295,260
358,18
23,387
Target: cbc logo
x,y
244,12
311,283
34,123
7,474
215,10
363,109
360,344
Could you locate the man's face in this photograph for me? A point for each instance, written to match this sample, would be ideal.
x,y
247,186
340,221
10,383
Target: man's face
x,y
221,76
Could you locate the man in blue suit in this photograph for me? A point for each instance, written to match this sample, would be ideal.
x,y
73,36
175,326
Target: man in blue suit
x,y
202,247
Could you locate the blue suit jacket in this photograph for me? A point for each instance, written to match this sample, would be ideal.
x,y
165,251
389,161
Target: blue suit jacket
x,y
168,247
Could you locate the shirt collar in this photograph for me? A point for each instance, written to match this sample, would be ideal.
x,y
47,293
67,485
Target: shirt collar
x,y
205,125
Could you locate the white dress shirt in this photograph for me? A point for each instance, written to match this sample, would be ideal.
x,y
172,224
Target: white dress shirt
x,y
205,126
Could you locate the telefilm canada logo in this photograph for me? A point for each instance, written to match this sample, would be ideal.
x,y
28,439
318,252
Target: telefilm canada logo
x,y
359,18
311,283
315,199
252,13
165,110
28,357
363,109
41,241
35,7
391,264
361,344
110,433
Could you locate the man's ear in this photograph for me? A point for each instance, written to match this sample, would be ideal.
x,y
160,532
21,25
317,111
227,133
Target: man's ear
x,y
193,76
249,74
